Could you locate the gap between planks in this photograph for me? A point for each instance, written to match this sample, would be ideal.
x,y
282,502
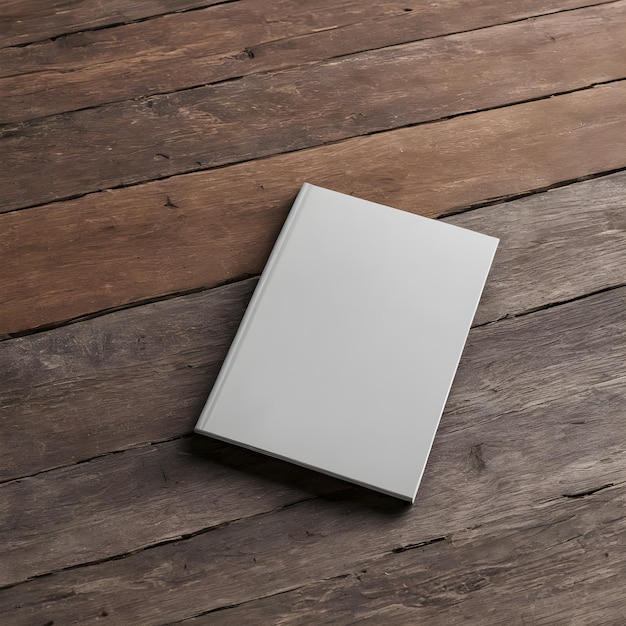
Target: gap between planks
x,y
549,305
311,513
466,567
107,25
583,296
443,216
209,5
170,296
189,535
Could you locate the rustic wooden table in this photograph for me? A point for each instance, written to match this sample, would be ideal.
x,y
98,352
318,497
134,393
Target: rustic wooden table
x,y
149,154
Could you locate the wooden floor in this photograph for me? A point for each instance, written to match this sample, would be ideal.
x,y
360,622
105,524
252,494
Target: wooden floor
x,y
149,153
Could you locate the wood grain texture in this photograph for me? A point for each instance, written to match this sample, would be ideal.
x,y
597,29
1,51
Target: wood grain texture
x,y
121,246
140,140
554,246
563,567
24,21
568,539
175,491
122,380
182,50
124,502
75,378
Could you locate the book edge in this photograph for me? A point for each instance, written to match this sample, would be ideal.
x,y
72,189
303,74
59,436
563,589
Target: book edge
x,y
259,291
351,481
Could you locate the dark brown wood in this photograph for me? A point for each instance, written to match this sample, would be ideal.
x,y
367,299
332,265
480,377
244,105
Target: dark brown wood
x,y
563,542
110,249
567,542
562,567
516,485
122,380
554,246
265,114
23,21
199,483
475,459
178,51
76,379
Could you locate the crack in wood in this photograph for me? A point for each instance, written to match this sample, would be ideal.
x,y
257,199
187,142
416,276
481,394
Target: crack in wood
x,y
589,492
549,305
204,7
193,170
137,20
18,479
470,583
419,544
525,194
124,307
238,604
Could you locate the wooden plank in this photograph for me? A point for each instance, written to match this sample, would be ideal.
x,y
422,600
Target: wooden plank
x,y
203,229
130,142
119,381
178,51
489,450
75,379
557,570
554,246
124,502
565,542
500,471
23,21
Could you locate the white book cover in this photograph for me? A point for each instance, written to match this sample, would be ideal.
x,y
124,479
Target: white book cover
x,y
346,354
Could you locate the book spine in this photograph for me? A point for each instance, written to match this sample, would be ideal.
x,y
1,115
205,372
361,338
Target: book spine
x,y
266,275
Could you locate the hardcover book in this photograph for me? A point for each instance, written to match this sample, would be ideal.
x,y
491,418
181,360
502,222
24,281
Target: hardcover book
x,y
346,353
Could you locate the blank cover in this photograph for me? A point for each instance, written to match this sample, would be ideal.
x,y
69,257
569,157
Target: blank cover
x,y
346,354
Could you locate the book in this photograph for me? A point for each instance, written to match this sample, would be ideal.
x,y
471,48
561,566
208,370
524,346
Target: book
x,y
347,351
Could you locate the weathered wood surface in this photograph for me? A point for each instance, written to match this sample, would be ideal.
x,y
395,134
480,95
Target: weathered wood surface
x,y
129,142
183,50
188,232
24,21
119,381
565,567
125,502
574,237
121,503
110,511
567,564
